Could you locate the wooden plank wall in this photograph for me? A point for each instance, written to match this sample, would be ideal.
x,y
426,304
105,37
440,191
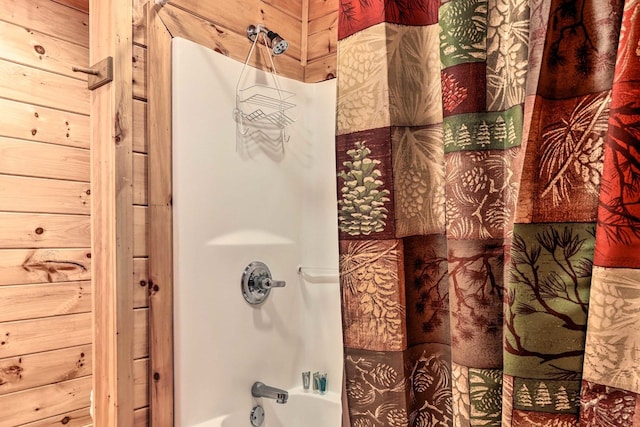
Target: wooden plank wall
x,y
322,40
45,196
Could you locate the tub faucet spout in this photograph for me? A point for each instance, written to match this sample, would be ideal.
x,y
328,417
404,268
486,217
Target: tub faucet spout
x,y
262,390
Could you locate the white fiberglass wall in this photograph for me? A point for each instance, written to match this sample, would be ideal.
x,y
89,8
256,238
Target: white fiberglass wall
x,y
236,205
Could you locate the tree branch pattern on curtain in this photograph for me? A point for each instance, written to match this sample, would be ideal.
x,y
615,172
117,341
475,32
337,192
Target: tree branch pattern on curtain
x,y
488,174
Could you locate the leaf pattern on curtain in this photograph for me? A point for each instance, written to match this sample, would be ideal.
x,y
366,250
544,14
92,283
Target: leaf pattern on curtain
x,y
581,44
373,309
463,32
486,397
612,334
363,88
376,389
418,171
481,193
415,96
618,237
430,389
461,395
547,298
572,150
475,295
507,42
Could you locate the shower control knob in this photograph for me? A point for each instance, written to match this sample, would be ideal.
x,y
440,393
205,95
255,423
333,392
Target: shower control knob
x,y
256,283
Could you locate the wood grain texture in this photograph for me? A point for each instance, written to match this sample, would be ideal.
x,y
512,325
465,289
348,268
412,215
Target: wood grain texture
x,y
48,17
319,8
36,123
320,69
28,47
32,266
77,418
225,14
141,383
217,37
139,126
23,194
139,72
82,5
141,333
25,84
325,23
49,367
21,230
112,215
161,384
140,231
22,302
139,22
139,179
293,8
323,44
47,401
50,333
140,282
141,417
26,158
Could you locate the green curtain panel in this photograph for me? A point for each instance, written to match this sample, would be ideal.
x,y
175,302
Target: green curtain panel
x,y
488,175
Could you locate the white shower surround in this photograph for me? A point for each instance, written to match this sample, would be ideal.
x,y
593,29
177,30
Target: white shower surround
x,y
231,209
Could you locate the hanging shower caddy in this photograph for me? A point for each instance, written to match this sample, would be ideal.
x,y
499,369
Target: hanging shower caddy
x,y
263,112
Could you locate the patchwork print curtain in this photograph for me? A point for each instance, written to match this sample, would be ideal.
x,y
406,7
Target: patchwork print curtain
x,y
488,162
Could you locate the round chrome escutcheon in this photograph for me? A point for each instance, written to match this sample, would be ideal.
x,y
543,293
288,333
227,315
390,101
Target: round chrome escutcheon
x,y
257,416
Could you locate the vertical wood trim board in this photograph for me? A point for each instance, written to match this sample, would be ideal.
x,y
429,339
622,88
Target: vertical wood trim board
x,y
112,215
160,222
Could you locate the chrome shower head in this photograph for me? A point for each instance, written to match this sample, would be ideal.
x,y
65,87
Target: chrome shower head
x,y
278,44
273,40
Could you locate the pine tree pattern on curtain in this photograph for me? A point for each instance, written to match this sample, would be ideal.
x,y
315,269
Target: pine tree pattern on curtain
x,y
488,176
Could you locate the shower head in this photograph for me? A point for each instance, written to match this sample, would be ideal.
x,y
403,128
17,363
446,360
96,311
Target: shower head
x,y
273,40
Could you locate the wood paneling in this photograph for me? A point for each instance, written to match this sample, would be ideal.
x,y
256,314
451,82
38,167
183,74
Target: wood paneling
x,y
112,215
34,335
320,69
225,14
32,266
47,401
322,44
140,282
48,17
161,232
141,383
139,22
218,37
141,333
293,8
77,418
38,369
139,72
22,194
41,51
139,126
26,84
140,231
324,23
141,417
319,8
18,157
139,179
82,5
22,302
36,123
21,230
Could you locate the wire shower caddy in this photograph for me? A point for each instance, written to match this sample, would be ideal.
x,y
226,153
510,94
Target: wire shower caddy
x,y
262,112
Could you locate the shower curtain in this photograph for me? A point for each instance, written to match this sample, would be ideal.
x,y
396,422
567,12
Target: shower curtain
x,y
488,173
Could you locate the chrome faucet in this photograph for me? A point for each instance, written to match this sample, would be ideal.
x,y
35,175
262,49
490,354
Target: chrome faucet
x,y
262,390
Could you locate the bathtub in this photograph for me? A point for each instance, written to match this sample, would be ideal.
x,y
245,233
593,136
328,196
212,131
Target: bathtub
x,y
301,410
